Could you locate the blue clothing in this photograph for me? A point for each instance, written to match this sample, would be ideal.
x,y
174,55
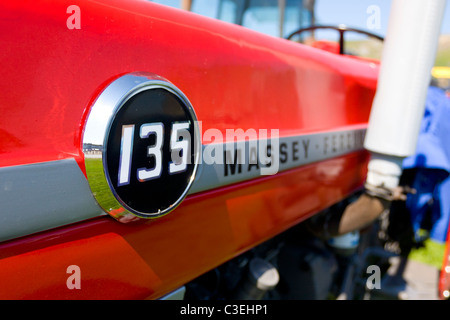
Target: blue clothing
x,y
432,164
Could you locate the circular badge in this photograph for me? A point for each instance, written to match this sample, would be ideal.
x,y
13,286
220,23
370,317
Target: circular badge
x,y
140,145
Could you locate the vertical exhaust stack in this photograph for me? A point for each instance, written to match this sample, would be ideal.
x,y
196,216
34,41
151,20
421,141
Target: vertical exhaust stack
x,y
397,111
405,73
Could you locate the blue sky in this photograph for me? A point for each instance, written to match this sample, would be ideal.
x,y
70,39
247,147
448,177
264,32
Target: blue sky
x,y
353,13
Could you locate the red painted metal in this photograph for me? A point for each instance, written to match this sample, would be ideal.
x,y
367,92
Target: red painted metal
x,y
444,276
234,78
150,259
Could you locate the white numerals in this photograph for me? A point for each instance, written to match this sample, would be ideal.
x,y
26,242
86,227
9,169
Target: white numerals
x,y
157,129
179,147
126,150
179,150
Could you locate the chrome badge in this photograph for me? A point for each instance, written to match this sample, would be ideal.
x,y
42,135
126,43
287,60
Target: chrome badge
x,y
139,145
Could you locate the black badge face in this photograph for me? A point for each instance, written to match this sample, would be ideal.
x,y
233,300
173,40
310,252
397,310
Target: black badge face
x,y
149,157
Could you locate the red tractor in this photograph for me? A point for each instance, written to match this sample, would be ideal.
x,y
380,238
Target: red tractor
x,y
153,152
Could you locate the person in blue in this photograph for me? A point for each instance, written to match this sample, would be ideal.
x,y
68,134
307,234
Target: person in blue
x,y
428,170
426,211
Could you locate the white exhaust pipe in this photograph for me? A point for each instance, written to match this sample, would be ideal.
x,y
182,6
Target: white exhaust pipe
x,y
397,111
408,57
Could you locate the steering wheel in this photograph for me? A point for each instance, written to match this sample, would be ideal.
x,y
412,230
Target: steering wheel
x,y
341,29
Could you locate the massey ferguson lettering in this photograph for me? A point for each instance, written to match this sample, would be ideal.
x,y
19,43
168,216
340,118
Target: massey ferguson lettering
x,y
289,152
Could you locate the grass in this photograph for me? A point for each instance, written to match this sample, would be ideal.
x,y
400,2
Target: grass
x,y
373,49
96,176
443,58
432,253
443,52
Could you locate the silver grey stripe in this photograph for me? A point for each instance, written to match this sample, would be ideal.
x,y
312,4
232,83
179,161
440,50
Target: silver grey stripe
x,y
43,196
293,152
178,294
